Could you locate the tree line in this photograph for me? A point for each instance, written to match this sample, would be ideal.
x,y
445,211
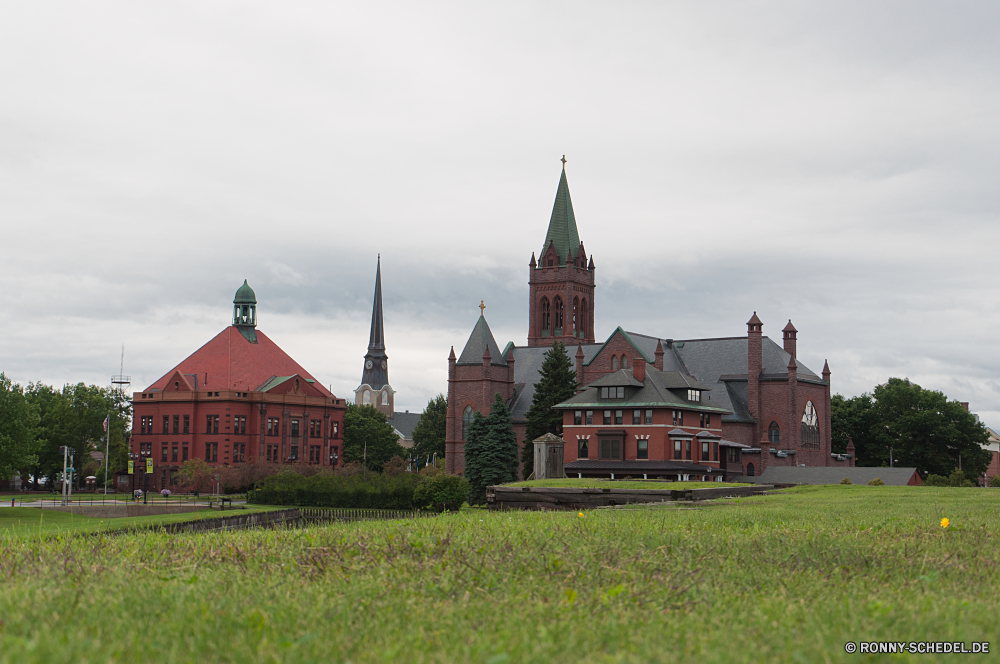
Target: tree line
x,y
35,421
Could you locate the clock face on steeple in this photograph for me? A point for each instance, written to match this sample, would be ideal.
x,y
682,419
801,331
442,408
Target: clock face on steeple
x,y
383,364
368,364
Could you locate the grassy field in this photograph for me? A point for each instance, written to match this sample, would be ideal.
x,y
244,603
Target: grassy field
x,y
789,577
593,483
18,522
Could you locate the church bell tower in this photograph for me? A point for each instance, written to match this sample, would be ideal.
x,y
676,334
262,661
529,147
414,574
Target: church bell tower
x,y
375,389
561,281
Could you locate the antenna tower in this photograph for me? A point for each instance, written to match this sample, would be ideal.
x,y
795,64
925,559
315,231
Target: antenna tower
x,y
121,382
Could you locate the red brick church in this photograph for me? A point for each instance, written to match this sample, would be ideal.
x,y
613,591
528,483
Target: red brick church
x,y
236,399
647,405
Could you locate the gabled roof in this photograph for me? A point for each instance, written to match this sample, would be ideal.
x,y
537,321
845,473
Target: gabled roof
x,y
628,337
562,232
616,378
230,362
481,339
405,423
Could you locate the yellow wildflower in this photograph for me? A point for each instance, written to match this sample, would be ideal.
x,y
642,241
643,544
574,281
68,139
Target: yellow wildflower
x,y
944,522
580,515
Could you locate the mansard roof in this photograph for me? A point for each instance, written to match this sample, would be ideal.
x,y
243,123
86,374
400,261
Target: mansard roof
x,y
230,362
657,390
562,232
481,339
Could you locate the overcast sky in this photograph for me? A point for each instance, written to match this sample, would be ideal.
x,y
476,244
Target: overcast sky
x,y
836,164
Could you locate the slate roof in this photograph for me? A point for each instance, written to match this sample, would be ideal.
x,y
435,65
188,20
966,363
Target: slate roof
x,y
527,363
479,340
405,423
833,475
654,392
562,230
616,378
721,365
233,363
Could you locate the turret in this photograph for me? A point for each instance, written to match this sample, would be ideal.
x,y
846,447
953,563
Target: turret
x,y
245,312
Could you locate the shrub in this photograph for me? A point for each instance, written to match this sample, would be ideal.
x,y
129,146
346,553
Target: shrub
x,y
326,489
995,481
846,481
395,466
876,482
441,492
957,478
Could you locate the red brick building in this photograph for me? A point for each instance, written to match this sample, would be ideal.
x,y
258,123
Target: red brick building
x,y
762,406
237,398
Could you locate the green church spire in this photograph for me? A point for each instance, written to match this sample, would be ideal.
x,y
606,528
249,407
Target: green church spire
x,y
562,231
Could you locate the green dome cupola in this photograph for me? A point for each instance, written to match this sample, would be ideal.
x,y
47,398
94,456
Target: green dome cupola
x,y
245,312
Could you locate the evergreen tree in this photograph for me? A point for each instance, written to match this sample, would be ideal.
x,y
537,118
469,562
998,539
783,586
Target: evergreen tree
x,y
429,434
490,451
365,428
557,384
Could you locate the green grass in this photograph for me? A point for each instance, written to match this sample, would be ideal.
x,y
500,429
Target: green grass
x,y
789,577
592,483
20,522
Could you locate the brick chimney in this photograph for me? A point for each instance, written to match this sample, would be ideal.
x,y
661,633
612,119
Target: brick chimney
x,y
789,334
639,369
579,367
754,361
658,361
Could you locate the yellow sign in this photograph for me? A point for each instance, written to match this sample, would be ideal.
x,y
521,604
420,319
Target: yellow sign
x,y
131,467
149,465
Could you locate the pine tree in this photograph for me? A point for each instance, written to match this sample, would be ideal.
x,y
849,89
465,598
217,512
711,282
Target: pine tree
x,y
490,451
557,384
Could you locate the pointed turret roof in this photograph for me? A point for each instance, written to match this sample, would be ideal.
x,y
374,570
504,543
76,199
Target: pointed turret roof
x,y
376,371
479,342
562,231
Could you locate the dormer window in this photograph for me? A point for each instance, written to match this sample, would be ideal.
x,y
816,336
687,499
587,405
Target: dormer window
x,y
613,392
694,395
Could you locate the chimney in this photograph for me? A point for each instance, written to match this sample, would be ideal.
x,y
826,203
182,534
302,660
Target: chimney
x,y
965,405
789,334
639,369
579,366
658,356
754,361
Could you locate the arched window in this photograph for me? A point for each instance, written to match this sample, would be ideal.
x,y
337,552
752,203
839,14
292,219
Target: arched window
x,y
466,421
545,314
774,433
385,398
367,397
750,470
810,426
576,315
583,318
558,306
624,362
614,363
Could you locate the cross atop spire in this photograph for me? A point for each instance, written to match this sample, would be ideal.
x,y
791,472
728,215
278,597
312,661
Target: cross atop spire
x,y
482,307
563,160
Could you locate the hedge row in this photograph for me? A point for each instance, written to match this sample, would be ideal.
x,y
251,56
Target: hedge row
x,y
364,490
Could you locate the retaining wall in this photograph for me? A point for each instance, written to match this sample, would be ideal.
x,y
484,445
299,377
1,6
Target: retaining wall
x,y
565,498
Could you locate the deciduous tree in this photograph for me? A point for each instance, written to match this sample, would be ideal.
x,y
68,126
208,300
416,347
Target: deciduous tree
x,y
429,434
18,429
366,428
922,427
